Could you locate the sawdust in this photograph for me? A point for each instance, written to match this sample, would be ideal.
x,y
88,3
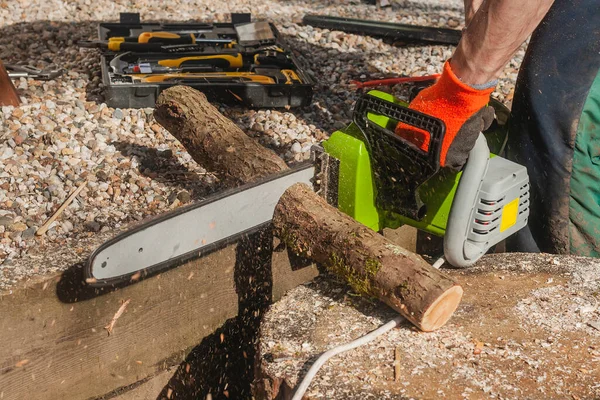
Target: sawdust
x,y
506,340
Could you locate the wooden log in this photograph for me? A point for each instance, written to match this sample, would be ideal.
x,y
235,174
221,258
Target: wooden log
x,y
370,263
213,140
8,93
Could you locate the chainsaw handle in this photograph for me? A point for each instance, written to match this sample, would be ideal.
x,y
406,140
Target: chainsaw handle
x,y
457,250
398,166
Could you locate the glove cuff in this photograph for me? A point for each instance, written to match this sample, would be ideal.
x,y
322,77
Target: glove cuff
x,y
451,85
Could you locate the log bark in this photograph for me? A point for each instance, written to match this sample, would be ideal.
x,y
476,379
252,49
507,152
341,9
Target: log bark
x,y
369,262
8,93
213,140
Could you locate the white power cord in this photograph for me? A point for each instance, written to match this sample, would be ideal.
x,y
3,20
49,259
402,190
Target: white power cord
x,y
439,262
301,389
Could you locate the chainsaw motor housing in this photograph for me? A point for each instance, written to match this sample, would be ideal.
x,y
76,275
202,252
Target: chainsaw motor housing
x,y
473,209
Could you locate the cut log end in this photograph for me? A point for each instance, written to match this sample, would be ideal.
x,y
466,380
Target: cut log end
x,y
442,309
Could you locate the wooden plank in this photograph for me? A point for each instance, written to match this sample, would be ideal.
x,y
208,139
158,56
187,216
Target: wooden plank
x,y
56,349
149,390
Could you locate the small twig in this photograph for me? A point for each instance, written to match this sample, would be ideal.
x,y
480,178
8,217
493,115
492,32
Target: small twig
x,y
397,364
62,208
114,319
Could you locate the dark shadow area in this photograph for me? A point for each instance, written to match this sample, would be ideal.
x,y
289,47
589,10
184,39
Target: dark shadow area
x,y
72,288
163,166
52,45
222,364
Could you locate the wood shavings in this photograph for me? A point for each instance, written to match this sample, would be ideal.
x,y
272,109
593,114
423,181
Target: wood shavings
x,y
136,276
109,328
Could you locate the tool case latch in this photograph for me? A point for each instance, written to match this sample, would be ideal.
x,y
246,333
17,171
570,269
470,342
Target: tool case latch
x,y
130,18
241,18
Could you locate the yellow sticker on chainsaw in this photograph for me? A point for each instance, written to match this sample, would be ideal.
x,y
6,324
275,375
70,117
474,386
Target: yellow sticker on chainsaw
x,y
509,215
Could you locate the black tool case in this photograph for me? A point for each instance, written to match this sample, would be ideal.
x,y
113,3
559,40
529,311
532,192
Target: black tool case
x,y
277,86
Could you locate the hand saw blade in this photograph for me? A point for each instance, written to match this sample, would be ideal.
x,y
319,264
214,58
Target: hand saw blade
x,y
191,231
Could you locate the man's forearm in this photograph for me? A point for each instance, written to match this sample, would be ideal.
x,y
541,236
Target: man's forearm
x,y
494,34
471,7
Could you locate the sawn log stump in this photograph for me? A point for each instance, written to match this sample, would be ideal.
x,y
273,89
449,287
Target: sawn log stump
x,y
369,262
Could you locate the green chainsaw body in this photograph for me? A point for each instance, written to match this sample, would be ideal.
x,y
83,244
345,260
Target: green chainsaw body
x,y
357,190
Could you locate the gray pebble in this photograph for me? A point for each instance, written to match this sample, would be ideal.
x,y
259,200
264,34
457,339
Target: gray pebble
x,y
92,226
5,221
102,175
184,196
29,233
296,147
118,114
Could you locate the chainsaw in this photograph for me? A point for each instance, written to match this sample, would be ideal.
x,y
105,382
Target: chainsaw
x,y
366,171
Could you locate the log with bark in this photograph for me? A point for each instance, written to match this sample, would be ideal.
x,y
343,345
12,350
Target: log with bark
x,y
305,222
213,140
369,262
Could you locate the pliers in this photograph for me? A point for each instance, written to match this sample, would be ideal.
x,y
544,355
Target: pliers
x,y
27,71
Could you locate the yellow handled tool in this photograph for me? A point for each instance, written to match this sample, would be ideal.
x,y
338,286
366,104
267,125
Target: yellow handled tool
x,y
160,38
166,37
218,60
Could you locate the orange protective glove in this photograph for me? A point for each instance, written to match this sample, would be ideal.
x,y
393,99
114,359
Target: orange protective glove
x,y
464,111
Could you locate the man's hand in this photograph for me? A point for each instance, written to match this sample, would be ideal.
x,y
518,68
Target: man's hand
x,y
464,111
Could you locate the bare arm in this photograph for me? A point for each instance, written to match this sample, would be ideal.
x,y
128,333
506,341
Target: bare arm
x,y
494,34
471,7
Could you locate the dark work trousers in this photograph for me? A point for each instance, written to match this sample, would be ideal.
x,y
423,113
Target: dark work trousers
x,y
554,130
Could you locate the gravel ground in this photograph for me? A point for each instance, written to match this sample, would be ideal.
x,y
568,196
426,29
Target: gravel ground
x,y
64,135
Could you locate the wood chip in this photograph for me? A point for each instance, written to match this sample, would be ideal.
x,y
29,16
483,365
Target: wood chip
x,y
397,364
595,325
62,208
478,347
136,276
21,363
119,312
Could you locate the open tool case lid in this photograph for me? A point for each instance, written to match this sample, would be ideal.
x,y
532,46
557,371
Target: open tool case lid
x,y
249,81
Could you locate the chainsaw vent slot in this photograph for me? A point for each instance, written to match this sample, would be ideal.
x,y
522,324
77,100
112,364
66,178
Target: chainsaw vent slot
x,y
492,202
485,222
484,231
398,166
